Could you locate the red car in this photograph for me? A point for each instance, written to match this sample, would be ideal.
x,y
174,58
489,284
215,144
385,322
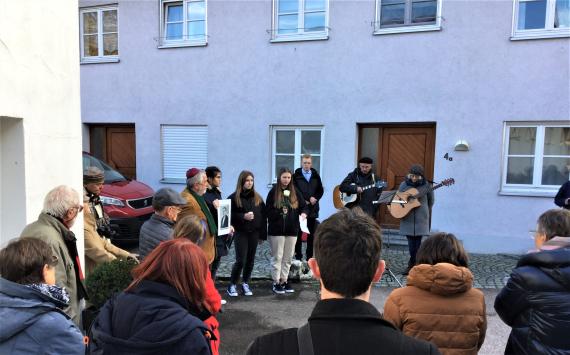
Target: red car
x,y
127,202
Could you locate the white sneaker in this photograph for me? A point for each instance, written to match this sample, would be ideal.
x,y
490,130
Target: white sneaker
x,y
246,290
232,291
224,301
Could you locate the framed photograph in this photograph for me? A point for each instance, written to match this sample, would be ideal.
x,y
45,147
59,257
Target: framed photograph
x,y
224,214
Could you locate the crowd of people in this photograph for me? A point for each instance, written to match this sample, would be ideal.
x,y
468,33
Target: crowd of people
x,y
172,303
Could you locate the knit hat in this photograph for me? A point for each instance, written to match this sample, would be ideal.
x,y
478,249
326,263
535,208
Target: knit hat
x,y
417,169
93,175
192,172
365,160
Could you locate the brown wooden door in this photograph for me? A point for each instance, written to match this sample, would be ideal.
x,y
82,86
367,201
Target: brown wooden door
x,y
400,146
121,151
116,145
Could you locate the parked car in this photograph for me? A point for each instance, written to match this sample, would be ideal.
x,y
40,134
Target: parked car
x,y
127,202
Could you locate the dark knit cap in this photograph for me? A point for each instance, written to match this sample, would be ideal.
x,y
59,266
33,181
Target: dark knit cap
x,y
365,160
417,169
192,172
93,175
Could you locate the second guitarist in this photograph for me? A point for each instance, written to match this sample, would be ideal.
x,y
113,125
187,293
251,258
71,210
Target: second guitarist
x,y
415,224
362,176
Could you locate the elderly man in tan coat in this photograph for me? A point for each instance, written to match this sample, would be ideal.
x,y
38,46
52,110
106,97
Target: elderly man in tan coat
x,y
98,249
196,185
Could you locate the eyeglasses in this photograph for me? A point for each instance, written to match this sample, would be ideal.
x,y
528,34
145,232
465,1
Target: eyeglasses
x,y
79,208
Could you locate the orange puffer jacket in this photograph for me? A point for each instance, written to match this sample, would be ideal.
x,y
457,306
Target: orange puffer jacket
x,y
439,305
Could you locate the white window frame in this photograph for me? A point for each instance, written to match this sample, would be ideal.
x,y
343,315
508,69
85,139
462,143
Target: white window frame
x,y
185,41
536,188
548,32
186,144
300,35
406,28
101,58
297,154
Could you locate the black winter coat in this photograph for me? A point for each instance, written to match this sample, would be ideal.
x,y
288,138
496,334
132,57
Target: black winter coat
x,y
210,196
152,319
536,304
311,188
367,196
278,224
344,326
259,222
562,195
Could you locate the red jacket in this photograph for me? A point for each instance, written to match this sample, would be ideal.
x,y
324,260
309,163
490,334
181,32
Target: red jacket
x,y
214,301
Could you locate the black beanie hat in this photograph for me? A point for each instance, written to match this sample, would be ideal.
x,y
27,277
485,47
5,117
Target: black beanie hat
x,y
417,169
365,160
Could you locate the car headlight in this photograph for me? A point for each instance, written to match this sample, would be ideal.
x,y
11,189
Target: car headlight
x,y
110,201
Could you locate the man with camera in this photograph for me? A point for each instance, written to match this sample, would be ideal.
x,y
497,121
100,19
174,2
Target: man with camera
x,y
96,227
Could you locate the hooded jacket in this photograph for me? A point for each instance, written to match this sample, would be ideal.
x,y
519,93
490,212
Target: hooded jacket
x,y
67,271
536,303
242,225
32,323
439,305
151,319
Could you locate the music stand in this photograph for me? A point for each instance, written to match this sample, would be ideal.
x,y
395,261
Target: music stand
x,y
387,197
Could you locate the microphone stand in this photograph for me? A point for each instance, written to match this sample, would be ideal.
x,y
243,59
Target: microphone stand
x,y
386,198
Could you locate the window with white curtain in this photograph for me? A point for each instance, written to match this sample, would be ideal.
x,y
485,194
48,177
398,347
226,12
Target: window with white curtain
x,y
290,143
534,19
537,157
182,147
183,23
295,20
99,31
396,16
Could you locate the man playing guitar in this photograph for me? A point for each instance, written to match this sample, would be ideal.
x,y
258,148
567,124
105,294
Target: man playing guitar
x,y
362,176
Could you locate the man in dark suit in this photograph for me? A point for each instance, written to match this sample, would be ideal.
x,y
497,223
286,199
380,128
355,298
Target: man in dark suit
x,y
225,220
343,321
308,182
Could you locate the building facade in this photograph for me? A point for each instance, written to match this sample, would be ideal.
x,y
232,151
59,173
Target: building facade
x,y
476,91
40,128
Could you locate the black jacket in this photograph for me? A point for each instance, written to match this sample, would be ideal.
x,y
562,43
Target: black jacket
x,y
153,319
536,304
210,196
344,326
279,224
562,195
311,188
259,222
367,196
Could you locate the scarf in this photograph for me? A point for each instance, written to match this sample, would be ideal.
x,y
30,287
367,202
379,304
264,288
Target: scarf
x,y
53,291
417,183
206,211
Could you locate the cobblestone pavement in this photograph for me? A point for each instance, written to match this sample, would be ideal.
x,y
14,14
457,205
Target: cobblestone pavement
x,y
489,270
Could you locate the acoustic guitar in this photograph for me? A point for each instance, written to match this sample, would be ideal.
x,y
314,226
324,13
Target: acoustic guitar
x,y
404,202
341,199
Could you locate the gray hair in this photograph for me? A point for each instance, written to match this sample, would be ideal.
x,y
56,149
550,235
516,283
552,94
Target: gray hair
x,y
195,179
59,200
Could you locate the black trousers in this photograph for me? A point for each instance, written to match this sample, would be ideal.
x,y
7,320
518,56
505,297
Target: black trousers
x,y
414,243
246,246
311,222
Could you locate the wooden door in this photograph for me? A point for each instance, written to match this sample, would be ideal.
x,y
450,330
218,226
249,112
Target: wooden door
x,y
116,145
121,150
400,146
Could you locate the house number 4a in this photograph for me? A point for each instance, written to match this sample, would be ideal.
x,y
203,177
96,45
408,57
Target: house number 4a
x,y
447,157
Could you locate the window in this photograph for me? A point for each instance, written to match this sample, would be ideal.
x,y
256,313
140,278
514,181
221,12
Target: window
x,y
299,20
183,23
537,158
290,143
396,16
541,19
183,147
99,29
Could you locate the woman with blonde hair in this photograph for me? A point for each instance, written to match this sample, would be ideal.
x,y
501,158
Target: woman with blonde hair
x,y
439,303
192,228
250,223
284,207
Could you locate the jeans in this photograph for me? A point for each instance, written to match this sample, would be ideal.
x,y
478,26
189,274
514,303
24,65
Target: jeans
x,y
246,246
282,249
414,243
311,222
